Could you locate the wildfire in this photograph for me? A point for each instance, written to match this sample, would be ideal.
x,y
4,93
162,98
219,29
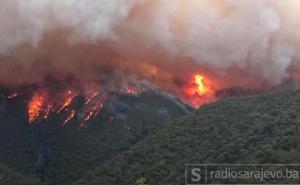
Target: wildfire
x,y
199,81
13,95
10,96
91,113
199,90
35,107
67,101
45,103
48,109
132,90
41,106
90,96
70,116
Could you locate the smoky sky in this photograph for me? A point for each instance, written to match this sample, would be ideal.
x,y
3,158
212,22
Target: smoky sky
x,y
153,40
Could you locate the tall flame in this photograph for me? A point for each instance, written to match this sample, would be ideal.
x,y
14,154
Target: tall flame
x,y
67,101
35,107
199,81
199,90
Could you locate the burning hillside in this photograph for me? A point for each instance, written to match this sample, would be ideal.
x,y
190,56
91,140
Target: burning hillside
x,y
81,103
76,100
132,67
75,128
189,49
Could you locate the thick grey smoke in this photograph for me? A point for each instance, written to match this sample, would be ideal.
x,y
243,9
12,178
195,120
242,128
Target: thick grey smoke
x,y
257,37
28,21
251,36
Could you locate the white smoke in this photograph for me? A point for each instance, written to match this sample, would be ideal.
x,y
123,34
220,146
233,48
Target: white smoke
x,y
26,21
242,37
259,37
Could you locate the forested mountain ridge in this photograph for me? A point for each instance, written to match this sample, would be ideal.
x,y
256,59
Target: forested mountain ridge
x,y
255,129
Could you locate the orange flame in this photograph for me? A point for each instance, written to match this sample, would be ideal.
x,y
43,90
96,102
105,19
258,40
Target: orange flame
x,y
199,81
71,115
132,90
34,107
67,101
93,112
90,96
199,91
41,106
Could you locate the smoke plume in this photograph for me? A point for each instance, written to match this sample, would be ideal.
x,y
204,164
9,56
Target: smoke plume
x,y
249,43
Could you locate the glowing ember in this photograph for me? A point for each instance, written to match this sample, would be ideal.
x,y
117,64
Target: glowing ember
x,y
93,112
67,101
132,90
90,96
35,107
10,96
13,95
47,111
70,116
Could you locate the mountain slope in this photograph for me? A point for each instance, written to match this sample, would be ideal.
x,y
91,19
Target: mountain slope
x,y
255,129
62,154
10,177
